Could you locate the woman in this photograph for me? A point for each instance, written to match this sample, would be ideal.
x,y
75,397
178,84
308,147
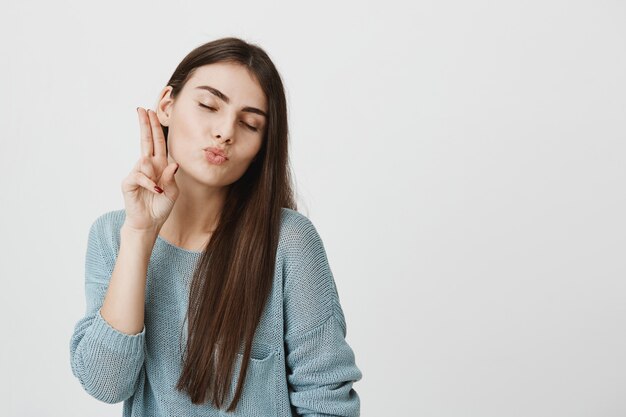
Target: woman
x,y
209,290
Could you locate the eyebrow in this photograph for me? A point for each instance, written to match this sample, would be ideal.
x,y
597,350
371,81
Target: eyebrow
x,y
225,98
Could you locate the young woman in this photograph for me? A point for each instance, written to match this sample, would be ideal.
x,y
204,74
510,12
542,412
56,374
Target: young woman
x,y
209,294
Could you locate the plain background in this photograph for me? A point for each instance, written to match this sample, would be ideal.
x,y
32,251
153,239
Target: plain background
x,y
464,163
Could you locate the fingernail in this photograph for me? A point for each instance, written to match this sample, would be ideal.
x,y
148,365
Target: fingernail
x,y
158,189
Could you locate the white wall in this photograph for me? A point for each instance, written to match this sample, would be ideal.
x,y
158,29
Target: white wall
x,y
464,163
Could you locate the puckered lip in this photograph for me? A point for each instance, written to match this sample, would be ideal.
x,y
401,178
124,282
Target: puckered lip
x,y
216,151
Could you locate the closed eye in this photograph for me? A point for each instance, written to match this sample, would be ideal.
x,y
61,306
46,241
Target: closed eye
x,y
254,129
206,107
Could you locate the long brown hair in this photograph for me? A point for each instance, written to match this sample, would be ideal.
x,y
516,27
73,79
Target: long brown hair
x,y
226,300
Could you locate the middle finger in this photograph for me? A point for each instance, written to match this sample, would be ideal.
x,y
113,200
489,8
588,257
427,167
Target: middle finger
x,y
158,140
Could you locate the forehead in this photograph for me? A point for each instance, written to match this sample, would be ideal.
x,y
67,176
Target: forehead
x,y
232,79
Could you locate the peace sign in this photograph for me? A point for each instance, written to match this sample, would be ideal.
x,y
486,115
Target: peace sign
x,y
150,188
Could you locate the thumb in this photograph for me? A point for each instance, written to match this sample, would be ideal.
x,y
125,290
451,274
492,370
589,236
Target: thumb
x,y
168,174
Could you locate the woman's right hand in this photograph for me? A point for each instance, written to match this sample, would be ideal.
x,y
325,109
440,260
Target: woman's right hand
x,y
146,208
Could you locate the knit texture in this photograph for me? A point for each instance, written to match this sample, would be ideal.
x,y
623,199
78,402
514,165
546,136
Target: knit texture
x,y
301,363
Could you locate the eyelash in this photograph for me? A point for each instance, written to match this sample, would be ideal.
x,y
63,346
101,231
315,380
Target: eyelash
x,y
254,129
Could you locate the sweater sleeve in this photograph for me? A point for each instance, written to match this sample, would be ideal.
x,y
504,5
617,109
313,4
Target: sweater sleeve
x,y
106,361
321,366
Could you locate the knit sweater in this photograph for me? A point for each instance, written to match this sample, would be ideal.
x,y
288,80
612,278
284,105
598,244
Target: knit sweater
x,y
300,363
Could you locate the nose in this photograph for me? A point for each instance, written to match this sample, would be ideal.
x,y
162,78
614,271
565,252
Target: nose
x,y
224,129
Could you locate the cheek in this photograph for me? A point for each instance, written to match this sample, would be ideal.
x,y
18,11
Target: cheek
x,y
253,149
183,134
186,124
178,144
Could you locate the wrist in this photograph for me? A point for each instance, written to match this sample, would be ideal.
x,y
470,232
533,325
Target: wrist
x,y
143,233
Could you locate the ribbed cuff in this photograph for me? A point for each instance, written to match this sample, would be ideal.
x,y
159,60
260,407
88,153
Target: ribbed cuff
x,y
127,344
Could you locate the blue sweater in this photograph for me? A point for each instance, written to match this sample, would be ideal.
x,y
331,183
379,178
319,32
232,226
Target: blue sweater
x,y
300,364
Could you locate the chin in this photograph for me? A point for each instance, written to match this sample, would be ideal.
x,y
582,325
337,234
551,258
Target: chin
x,y
214,179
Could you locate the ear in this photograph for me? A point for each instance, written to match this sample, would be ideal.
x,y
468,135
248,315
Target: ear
x,y
164,107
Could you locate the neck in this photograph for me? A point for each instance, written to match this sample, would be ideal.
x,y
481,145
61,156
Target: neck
x,y
195,214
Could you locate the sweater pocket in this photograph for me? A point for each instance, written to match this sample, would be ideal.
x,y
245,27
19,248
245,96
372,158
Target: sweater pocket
x,y
258,396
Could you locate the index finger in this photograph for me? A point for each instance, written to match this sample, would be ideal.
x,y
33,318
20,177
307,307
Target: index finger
x,y
146,133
